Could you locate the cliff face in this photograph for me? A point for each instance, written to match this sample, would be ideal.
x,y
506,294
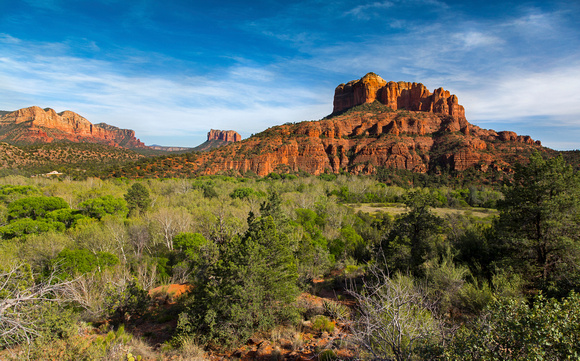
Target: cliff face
x,y
401,95
363,141
392,125
36,125
225,135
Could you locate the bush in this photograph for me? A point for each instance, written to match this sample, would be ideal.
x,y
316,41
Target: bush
x,y
322,323
546,329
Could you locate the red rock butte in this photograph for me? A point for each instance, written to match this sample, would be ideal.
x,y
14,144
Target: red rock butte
x,y
400,95
406,127
225,135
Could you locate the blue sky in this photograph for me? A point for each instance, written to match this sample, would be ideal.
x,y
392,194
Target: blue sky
x,y
171,70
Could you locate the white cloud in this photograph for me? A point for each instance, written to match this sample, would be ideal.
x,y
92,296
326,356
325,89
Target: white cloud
x,y
245,98
473,39
367,11
5,38
552,93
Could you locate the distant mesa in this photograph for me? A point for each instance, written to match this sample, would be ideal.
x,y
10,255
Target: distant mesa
x,y
218,138
400,95
168,148
225,135
36,125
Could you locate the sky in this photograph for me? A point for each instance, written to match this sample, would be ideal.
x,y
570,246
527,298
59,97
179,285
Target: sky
x,y
172,70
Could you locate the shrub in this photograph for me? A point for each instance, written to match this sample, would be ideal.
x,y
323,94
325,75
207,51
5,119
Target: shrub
x,y
322,323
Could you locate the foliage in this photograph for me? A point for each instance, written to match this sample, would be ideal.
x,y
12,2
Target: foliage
x,y
395,318
81,261
415,235
251,288
34,207
539,224
25,226
546,329
137,198
101,206
322,323
28,308
9,193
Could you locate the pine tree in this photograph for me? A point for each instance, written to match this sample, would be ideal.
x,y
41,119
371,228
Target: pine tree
x,y
251,288
539,223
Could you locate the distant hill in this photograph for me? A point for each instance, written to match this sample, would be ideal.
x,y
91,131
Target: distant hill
x,y
376,127
34,125
73,159
169,148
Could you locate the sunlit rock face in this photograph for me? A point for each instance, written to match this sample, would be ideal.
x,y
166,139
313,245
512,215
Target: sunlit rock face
x,y
400,95
37,125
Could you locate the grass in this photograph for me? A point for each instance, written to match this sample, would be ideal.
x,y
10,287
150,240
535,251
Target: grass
x,y
395,209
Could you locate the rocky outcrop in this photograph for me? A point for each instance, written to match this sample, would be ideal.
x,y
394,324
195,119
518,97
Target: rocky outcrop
x,y
362,141
401,95
225,135
420,131
406,128
36,125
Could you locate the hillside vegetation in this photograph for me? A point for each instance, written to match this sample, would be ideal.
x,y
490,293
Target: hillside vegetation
x,y
282,267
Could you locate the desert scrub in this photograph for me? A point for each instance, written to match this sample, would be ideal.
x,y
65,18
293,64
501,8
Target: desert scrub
x,y
336,310
322,323
327,355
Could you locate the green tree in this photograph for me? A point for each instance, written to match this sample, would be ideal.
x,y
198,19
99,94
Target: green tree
x,y
137,198
35,207
515,330
101,206
539,223
22,227
81,261
251,288
415,236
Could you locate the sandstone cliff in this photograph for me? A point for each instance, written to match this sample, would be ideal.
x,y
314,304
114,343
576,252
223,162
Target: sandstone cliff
x,y
225,135
375,125
36,125
401,95
392,125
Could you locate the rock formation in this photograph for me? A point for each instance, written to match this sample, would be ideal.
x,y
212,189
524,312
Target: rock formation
x,y
388,125
401,95
225,135
406,127
36,125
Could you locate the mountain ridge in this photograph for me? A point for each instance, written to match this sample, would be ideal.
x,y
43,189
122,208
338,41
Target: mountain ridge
x,y
36,125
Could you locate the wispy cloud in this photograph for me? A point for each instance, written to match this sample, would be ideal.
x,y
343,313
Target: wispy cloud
x,y
367,11
551,93
474,39
244,98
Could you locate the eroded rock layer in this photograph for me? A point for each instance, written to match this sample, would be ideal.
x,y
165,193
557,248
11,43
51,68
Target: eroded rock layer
x,y
225,135
37,125
401,95
369,137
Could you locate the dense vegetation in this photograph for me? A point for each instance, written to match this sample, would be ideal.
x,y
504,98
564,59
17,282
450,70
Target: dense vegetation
x,y
77,259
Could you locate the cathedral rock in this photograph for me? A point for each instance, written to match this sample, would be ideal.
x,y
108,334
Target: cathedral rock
x,y
400,95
